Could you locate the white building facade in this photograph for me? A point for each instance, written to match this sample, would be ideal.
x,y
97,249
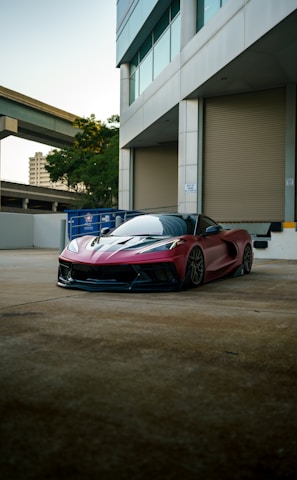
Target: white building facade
x,y
39,176
208,113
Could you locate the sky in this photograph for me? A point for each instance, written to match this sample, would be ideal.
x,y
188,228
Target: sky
x,y
60,52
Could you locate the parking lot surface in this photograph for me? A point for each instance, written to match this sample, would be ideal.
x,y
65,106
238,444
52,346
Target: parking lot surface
x,y
198,384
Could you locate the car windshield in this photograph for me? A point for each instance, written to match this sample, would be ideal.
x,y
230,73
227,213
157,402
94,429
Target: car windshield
x,y
157,225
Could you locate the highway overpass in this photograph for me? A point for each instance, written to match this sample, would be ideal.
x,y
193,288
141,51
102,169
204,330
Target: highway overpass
x,y
27,118
21,198
30,119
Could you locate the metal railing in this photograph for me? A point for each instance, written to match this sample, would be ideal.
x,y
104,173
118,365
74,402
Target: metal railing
x,y
91,223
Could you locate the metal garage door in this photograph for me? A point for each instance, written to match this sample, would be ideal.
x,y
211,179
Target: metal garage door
x,y
155,178
244,157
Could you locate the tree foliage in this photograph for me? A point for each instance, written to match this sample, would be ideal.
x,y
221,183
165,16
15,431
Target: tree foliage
x,y
91,165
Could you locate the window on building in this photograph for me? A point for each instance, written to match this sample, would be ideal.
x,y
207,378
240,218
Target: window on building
x,y
146,72
161,53
158,50
206,9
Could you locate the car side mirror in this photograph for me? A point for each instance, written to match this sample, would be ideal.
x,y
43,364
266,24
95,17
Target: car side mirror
x,y
213,229
104,231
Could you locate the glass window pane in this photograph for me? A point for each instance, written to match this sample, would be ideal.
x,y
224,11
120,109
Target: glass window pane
x,y
134,86
206,9
133,64
152,58
175,37
161,25
175,8
145,47
200,14
162,53
132,94
210,8
146,72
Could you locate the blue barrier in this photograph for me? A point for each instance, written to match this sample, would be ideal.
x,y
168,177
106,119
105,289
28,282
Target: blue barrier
x,y
91,221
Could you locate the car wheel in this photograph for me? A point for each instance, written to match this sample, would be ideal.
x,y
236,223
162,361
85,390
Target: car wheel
x,y
195,269
247,259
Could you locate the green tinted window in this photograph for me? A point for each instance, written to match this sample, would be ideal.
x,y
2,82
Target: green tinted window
x,y
146,72
162,53
206,9
157,51
145,47
161,25
134,64
175,37
175,8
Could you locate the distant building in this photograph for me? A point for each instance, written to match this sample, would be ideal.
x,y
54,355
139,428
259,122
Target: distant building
x,y
39,176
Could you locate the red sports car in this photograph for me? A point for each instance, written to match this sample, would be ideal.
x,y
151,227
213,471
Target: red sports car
x,y
155,252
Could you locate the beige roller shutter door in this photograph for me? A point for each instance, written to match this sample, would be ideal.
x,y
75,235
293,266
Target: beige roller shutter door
x,y
155,178
244,157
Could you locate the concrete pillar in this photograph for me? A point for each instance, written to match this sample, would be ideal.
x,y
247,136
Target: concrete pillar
x,y
189,179
62,235
124,87
125,161
126,179
8,126
25,203
290,168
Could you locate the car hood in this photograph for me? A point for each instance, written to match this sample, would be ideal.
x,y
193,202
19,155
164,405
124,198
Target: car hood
x,y
114,244
94,248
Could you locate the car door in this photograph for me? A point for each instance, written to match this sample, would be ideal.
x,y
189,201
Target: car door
x,y
215,249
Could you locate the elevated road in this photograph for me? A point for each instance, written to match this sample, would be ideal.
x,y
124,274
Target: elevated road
x,y
21,198
27,118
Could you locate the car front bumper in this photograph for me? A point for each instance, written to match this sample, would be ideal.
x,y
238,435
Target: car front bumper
x,y
139,277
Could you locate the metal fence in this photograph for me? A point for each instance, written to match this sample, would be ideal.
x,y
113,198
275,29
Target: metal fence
x,y
91,222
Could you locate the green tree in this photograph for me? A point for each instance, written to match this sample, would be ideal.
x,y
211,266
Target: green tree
x,y
91,165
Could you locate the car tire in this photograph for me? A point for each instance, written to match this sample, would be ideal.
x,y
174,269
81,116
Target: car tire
x,y
195,269
247,260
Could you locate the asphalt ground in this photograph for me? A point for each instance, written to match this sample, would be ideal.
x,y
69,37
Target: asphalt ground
x,y
198,384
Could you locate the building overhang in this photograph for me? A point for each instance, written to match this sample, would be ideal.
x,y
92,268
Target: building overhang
x,y
268,63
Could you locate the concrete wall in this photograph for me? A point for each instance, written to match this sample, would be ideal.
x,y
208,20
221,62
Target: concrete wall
x,y
47,230
281,246
18,230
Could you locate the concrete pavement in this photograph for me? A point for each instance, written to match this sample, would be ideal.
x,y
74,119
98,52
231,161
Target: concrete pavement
x,y
188,385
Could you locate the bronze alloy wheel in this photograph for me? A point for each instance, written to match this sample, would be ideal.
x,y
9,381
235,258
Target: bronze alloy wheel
x,y
195,268
247,258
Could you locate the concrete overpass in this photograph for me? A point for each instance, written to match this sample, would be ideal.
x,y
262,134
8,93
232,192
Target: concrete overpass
x,y
27,118
20,198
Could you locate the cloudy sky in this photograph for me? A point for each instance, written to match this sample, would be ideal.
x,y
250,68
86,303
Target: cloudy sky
x,y
61,52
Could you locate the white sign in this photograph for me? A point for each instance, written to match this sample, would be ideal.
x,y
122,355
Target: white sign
x,y
190,187
289,182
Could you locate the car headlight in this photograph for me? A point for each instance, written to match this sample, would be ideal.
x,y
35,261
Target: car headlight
x,y
73,246
177,243
161,246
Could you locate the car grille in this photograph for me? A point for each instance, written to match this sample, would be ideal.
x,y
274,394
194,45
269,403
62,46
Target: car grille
x,y
148,273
